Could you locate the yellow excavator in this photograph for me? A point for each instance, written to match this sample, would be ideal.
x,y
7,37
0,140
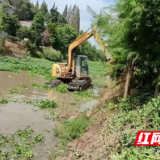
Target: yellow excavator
x,y
76,71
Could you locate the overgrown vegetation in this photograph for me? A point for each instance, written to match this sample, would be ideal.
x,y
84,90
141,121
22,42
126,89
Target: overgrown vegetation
x,y
56,36
20,144
72,129
32,65
133,115
52,54
129,29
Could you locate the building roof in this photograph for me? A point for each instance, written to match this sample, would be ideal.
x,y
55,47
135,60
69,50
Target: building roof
x,y
26,23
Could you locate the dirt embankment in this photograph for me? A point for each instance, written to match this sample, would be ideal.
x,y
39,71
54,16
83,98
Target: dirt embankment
x,y
92,145
16,50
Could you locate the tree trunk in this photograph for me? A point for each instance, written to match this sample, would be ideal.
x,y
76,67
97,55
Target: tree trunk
x,y
128,77
156,90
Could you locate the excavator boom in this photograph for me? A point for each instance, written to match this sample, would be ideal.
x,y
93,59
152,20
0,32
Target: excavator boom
x,y
81,39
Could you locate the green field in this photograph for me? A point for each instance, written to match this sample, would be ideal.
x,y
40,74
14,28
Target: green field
x,y
34,66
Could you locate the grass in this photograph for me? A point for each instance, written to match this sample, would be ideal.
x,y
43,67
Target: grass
x,y
33,65
72,129
98,70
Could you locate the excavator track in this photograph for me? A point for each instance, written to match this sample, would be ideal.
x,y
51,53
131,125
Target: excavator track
x,y
54,83
79,85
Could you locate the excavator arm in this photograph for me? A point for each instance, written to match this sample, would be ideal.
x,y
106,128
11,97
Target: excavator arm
x,y
99,40
80,40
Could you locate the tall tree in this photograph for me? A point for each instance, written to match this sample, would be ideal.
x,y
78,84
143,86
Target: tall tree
x,y
65,11
73,20
24,9
73,17
69,15
38,27
54,15
8,23
77,19
44,8
133,36
37,6
65,35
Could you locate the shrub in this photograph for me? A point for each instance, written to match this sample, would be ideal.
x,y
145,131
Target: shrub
x,y
52,54
39,54
12,39
24,32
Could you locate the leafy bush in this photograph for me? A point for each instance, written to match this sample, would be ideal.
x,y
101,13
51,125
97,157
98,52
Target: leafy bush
x,y
39,54
12,39
52,54
24,32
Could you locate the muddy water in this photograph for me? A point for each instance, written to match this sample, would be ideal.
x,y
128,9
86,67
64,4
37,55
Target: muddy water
x,y
11,80
13,116
16,115
89,105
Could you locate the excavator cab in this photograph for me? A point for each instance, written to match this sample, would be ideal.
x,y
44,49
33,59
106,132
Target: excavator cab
x,y
81,66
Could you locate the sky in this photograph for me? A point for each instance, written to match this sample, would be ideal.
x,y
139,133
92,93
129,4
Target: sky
x,y
85,16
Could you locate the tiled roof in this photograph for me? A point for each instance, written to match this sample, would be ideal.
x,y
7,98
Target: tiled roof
x,y
26,23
